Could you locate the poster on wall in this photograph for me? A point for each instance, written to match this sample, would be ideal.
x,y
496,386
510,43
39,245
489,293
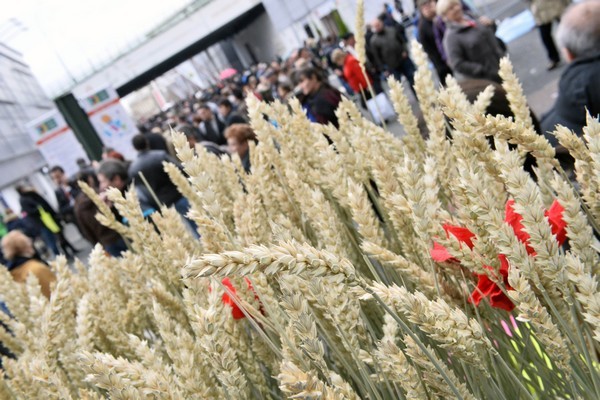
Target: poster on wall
x,y
112,123
56,141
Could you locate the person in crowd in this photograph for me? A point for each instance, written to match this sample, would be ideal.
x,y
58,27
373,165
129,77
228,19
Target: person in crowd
x,y
156,141
390,52
238,137
387,17
472,48
166,134
65,194
210,127
41,214
353,73
192,139
112,154
112,173
183,118
228,115
85,212
16,223
320,99
191,134
182,123
82,163
499,104
285,92
22,261
348,43
251,87
545,12
579,86
239,101
149,163
270,80
439,26
426,35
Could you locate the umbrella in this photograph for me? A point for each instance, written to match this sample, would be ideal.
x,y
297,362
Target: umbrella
x,y
227,73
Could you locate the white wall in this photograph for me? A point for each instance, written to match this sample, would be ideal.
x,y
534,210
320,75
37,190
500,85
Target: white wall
x,y
293,37
198,25
289,39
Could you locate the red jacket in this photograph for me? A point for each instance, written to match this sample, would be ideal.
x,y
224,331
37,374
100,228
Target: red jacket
x,y
354,75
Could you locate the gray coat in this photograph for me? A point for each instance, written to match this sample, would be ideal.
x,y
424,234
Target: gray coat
x,y
473,51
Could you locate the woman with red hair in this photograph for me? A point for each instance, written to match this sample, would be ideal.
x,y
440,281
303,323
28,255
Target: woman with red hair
x,y
238,136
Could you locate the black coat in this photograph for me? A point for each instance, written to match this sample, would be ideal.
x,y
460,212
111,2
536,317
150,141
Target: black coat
x,y
427,39
208,134
388,47
234,118
323,103
65,207
579,87
150,163
30,203
156,141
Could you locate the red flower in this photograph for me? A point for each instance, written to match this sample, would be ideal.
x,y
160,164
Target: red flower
x,y
440,254
236,311
488,288
485,286
514,220
558,224
555,219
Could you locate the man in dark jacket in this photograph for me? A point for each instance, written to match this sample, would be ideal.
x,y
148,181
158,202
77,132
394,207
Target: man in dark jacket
x,y
210,127
579,87
390,52
427,38
65,194
33,205
149,163
320,99
155,140
228,114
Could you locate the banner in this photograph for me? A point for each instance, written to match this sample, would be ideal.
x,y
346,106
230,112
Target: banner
x,y
57,143
112,123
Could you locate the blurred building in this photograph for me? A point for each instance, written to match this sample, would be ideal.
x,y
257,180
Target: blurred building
x,y
21,100
193,45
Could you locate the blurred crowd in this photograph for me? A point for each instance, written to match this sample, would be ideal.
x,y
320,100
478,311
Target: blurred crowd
x,y
458,41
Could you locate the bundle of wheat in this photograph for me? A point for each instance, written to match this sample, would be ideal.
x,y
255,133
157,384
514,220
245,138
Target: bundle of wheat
x,y
373,267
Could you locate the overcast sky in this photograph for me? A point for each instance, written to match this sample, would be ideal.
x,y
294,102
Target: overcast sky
x,y
62,39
